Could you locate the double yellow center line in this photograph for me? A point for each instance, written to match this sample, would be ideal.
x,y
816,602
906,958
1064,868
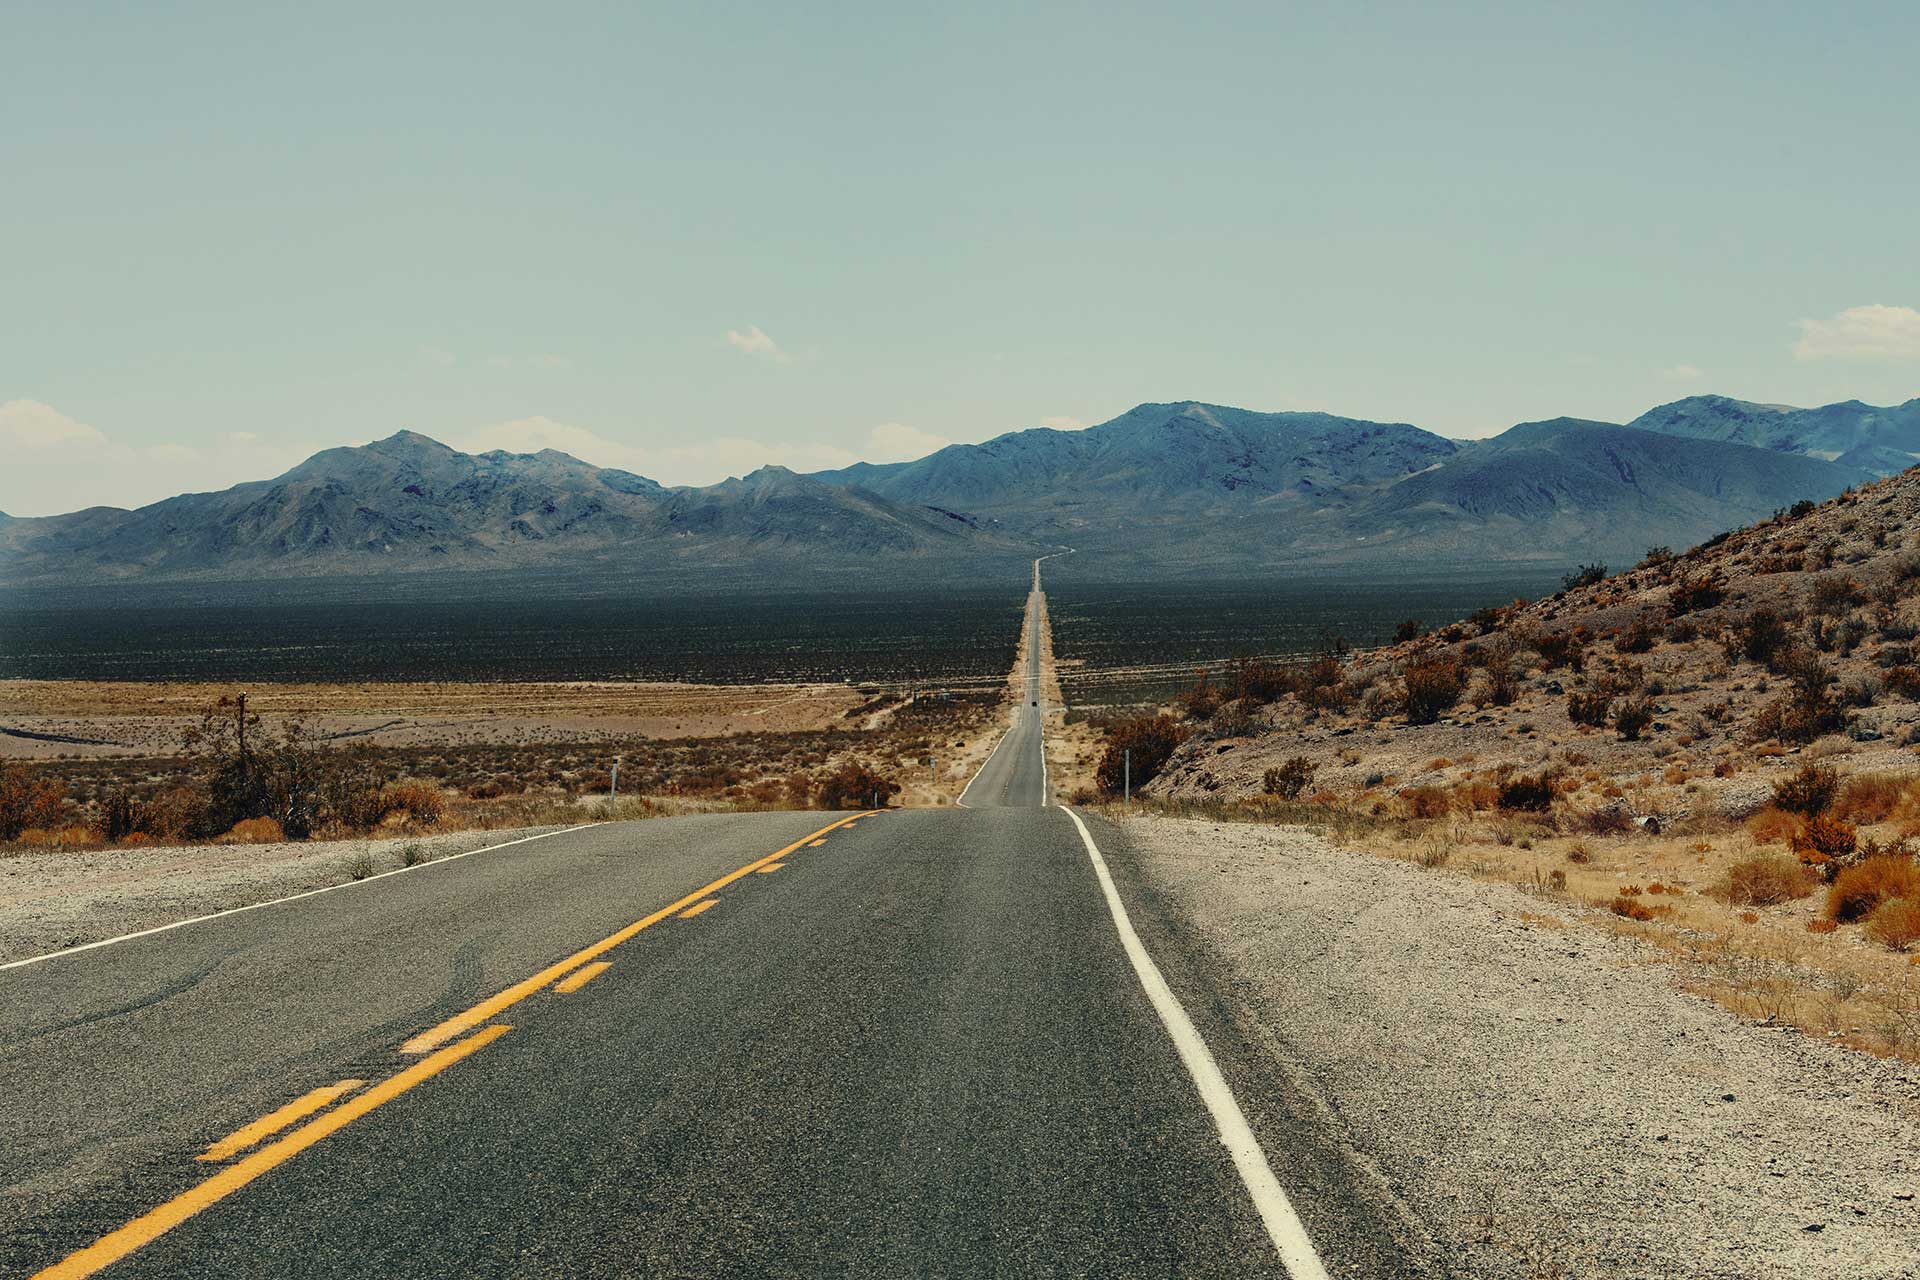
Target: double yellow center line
x,y
569,974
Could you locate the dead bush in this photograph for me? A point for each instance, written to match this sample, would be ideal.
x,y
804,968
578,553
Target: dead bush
x,y
1152,740
855,785
1825,841
1590,709
28,800
1809,790
1858,890
1529,794
1288,780
1427,802
1764,880
1873,797
1432,686
1631,909
421,802
1896,924
1561,649
1633,719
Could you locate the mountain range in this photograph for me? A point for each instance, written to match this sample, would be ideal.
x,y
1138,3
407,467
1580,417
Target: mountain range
x,y
1182,488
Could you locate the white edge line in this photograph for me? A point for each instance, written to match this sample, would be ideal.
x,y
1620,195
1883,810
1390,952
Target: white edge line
x,y
294,897
1283,1225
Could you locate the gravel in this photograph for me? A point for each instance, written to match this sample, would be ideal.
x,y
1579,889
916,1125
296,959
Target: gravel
x,y
58,899
1537,1093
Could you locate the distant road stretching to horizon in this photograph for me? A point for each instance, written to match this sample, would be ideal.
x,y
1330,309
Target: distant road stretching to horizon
x,y
956,1041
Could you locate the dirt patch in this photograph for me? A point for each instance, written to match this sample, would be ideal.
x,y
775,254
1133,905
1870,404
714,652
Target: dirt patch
x,y
44,719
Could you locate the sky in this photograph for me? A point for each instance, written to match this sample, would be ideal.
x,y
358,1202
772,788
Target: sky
x,y
692,240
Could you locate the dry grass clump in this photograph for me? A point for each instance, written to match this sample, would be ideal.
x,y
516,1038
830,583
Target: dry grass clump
x,y
1896,924
1764,880
1860,889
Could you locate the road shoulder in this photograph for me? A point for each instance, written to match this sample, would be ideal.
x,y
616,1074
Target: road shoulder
x,y
1534,1102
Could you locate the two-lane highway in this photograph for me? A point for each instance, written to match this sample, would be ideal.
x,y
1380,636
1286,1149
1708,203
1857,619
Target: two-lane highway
x,y
1015,775
906,1043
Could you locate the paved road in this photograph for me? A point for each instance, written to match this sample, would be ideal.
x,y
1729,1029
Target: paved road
x,y
912,1044
1015,775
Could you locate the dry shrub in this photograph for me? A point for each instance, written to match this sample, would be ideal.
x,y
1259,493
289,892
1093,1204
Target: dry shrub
x,y
1765,880
1432,687
1590,709
1859,890
254,831
854,785
1427,802
1774,826
420,801
1475,796
27,801
1622,905
1288,780
1874,797
1821,925
1610,821
1152,741
1896,924
1749,917
1534,794
1633,719
1825,840
1810,790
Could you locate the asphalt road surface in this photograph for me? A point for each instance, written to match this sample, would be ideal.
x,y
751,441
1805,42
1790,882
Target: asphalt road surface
x,y
786,1044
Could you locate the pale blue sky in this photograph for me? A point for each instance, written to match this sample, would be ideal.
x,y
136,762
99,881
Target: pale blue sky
x,y
232,236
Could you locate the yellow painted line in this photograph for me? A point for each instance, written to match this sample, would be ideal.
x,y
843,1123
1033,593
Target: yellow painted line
x,y
698,907
274,1121
771,867
816,844
150,1226
582,976
461,1023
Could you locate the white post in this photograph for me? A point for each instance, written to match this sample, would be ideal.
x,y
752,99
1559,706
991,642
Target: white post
x,y
613,787
1128,757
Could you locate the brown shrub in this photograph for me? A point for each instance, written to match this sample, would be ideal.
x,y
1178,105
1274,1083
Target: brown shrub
x,y
1589,708
1289,779
1639,638
1764,880
1562,649
1633,718
1821,925
1903,682
1622,905
1825,841
1896,923
1534,794
28,800
854,785
420,801
1151,739
1433,686
254,831
1860,889
1427,802
1811,789
1873,797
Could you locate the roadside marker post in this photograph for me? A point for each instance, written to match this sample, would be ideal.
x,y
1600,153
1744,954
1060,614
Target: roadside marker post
x,y
613,786
1127,757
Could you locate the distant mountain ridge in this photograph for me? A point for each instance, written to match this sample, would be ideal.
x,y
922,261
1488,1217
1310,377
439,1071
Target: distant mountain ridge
x,y
1881,440
1184,488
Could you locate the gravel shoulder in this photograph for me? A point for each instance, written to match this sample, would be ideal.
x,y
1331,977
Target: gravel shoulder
x,y
1541,1096
57,899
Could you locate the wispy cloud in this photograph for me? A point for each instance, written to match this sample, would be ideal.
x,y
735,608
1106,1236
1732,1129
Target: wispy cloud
x,y
1684,372
1872,332
755,342
1063,423
898,442
57,463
